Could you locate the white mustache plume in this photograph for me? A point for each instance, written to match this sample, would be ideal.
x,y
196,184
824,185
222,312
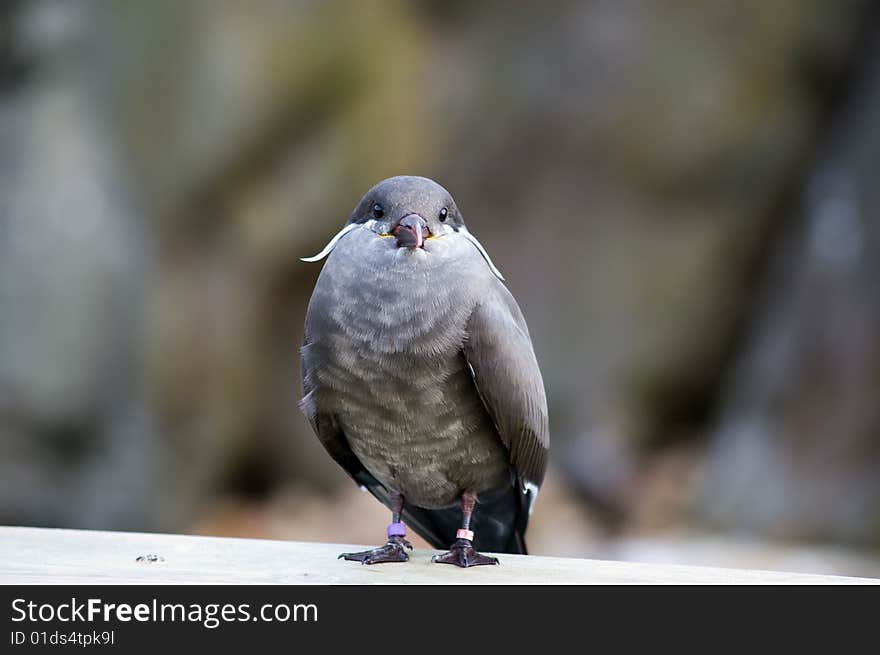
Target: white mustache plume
x,y
331,244
470,237
352,226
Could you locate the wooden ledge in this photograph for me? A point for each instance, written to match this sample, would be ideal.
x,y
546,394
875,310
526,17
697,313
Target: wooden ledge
x,y
49,556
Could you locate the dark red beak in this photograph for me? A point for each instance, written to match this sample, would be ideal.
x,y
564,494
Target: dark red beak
x,y
411,231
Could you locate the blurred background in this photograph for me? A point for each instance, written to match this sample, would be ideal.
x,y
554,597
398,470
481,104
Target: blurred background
x,y
684,198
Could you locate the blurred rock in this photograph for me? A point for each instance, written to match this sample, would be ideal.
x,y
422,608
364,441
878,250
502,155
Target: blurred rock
x,y
797,452
77,447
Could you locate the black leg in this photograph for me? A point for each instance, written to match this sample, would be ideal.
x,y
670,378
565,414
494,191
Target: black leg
x,y
394,549
461,552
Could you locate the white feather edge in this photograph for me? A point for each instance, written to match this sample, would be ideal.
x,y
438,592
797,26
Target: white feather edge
x,y
530,487
470,237
332,243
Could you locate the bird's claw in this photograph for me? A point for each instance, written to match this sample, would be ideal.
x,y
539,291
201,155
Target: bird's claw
x,y
392,551
462,554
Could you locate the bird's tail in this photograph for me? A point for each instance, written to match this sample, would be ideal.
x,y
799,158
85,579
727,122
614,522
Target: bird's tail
x,y
499,521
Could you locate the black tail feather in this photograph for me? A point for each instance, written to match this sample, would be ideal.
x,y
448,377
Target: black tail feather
x,y
499,520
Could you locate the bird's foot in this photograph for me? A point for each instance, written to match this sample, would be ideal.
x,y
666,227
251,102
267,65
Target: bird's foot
x,y
462,554
393,551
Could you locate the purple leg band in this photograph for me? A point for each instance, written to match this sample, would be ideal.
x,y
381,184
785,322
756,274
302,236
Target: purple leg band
x,y
396,530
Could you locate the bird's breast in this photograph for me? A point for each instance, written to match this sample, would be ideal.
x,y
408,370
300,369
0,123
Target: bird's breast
x,y
387,329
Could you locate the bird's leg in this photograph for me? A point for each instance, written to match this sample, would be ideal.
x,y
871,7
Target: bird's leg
x,y
461,552
394,549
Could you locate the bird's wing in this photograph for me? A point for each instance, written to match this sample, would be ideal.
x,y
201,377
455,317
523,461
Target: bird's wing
x,y
499,351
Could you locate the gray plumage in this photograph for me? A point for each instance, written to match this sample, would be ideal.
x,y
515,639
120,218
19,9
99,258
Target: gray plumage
x,y
419,374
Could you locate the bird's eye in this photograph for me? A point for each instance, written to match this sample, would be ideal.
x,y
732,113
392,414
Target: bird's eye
x,y
378,212
443,214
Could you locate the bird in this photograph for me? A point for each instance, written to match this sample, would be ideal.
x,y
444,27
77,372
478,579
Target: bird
x,y
420,379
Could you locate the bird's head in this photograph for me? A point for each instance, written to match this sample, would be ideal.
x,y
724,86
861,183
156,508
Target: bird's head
x,y
410,210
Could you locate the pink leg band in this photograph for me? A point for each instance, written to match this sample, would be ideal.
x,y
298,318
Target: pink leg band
x,y
396,530
465,534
